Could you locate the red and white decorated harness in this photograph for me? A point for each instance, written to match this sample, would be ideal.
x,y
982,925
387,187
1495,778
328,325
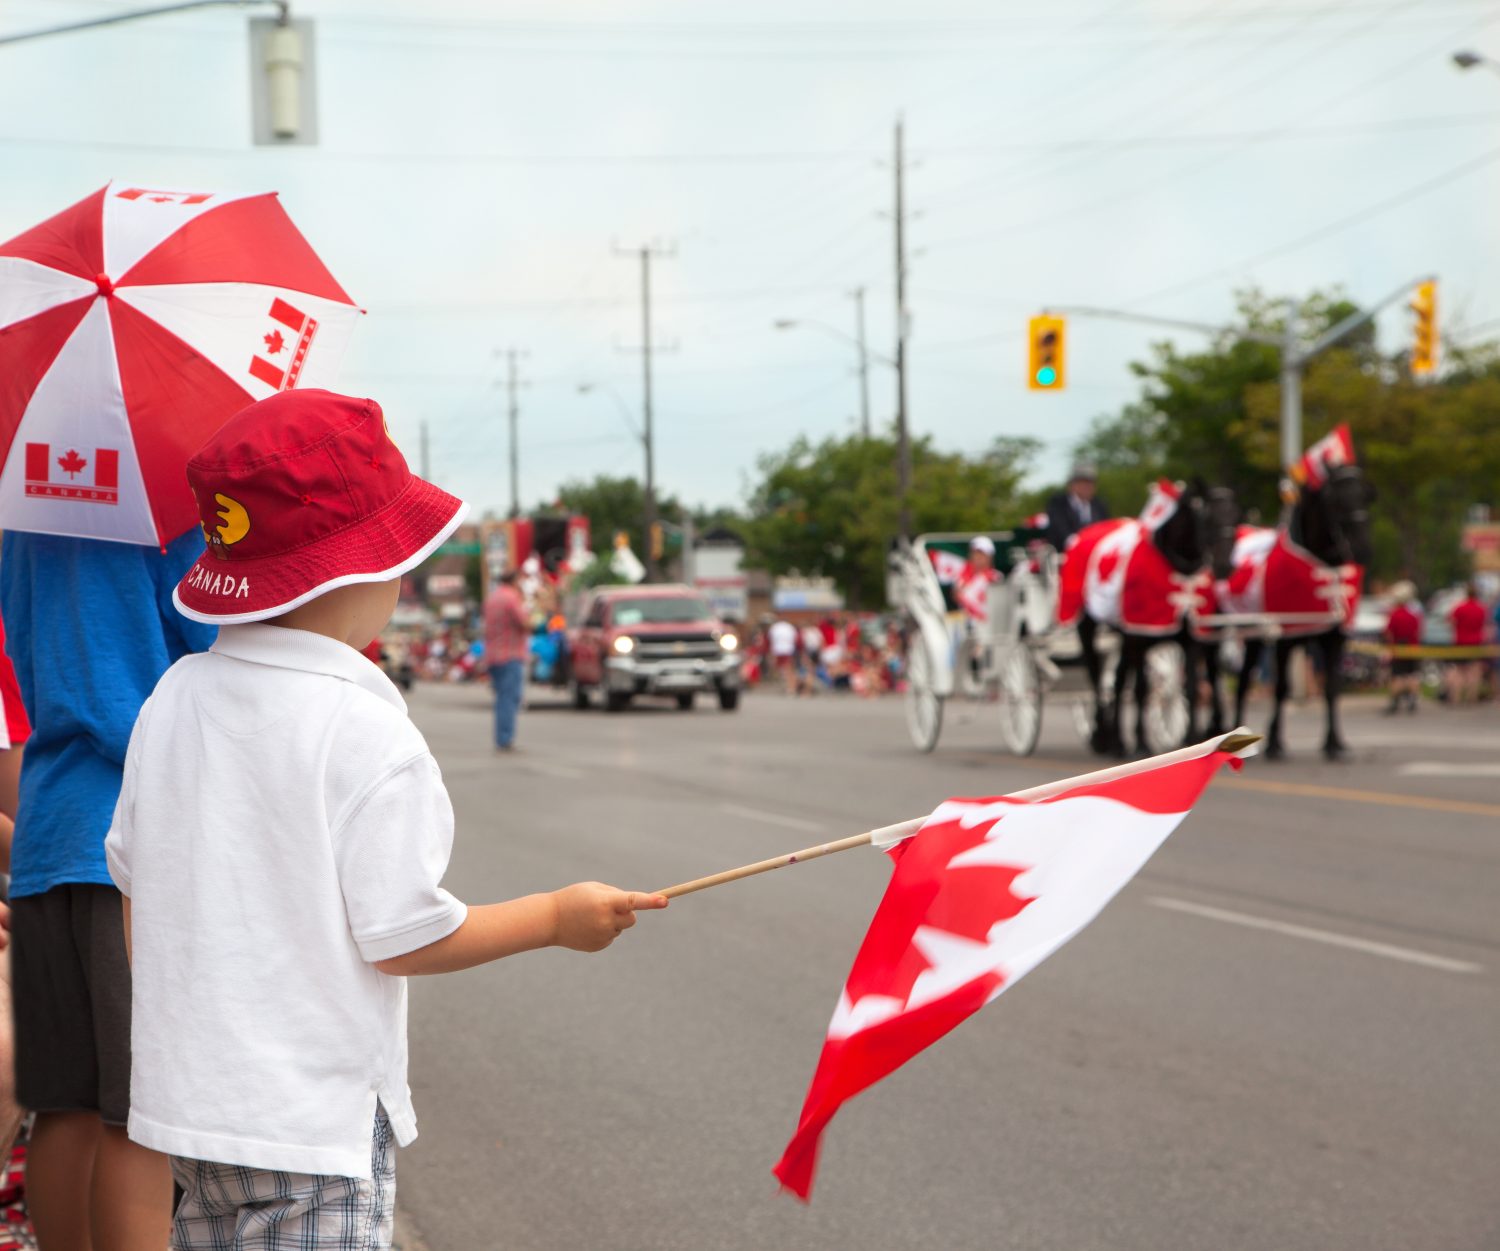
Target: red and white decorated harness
x,y
1271,575
1114,571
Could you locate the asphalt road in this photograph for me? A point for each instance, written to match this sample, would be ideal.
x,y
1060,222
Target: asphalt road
x,y
1284,1034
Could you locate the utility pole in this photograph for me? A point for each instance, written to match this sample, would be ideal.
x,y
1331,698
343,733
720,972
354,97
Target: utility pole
x,y
646,252
513,384
903,438
864,362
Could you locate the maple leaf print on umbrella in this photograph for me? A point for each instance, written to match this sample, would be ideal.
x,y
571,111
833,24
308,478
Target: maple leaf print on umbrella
x,y
132,326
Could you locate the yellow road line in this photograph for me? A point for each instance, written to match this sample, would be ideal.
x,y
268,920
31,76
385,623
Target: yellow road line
x,y
1389,799
1311,790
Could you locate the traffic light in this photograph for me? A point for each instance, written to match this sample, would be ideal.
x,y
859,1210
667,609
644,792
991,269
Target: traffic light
x,y
658,543
1047,358
1424,331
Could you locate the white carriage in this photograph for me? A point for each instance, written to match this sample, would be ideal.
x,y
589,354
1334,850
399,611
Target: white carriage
x,y
1017,657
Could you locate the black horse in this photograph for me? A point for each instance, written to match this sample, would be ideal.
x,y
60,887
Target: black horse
x,y
1331,523
1198,536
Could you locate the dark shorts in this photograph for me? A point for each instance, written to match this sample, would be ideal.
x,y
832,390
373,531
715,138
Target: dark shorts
x,y
1403,668
70,984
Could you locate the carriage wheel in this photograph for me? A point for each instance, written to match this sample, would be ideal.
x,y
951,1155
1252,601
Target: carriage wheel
x,y
1167,708
924,708
1021,709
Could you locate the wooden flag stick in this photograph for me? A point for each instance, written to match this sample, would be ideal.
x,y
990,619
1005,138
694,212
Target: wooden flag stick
x,y
1237,741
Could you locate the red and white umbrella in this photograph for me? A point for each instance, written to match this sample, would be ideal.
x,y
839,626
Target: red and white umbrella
x,y
132,326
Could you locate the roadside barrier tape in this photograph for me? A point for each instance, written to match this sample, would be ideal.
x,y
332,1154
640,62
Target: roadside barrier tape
x,y
1418,651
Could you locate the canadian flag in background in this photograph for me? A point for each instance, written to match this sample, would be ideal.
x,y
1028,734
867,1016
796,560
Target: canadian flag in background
x,y
286,341
1334,449
984,892
93,478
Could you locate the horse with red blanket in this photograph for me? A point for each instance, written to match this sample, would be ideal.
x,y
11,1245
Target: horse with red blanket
x,y
1312,564
1148,578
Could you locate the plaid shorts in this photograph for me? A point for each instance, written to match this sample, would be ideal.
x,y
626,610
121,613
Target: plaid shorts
x,y
229,1208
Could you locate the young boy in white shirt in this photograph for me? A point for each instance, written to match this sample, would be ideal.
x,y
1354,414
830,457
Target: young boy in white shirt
x,y
280,839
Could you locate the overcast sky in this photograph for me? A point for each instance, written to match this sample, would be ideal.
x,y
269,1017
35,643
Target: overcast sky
x,y
479,163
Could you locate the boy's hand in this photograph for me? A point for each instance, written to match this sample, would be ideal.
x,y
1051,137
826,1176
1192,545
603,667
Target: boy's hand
x,y
590,915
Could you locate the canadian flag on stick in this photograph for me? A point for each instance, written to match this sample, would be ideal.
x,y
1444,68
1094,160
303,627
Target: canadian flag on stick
x,y
983,891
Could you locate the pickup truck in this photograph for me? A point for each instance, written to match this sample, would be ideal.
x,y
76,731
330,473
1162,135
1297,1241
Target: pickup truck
x,y
653,640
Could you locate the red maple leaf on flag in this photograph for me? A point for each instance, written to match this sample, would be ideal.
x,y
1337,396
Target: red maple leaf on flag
x,y
72,464
274,342
972,899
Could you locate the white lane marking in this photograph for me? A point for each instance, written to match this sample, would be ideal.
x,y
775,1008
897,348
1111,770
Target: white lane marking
x,y
772,818
1448,769
1426,742
1405,954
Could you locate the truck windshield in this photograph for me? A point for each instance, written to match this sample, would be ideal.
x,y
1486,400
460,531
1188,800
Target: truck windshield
x,y
659,610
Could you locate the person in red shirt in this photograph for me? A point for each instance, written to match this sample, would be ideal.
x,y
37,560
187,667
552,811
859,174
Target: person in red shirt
x,y
1403,628
1469,621
507,641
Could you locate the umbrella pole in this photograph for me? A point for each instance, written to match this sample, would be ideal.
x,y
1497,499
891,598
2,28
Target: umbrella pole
x,y
1236,742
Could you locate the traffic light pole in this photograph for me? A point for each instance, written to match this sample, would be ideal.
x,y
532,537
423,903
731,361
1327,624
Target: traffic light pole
x,y
1295,354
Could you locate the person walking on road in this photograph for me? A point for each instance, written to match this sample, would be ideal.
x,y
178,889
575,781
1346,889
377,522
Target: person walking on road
x,y
1080,505
507,638
1403,629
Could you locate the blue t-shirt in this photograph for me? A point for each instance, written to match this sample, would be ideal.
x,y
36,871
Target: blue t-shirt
x,y
91,627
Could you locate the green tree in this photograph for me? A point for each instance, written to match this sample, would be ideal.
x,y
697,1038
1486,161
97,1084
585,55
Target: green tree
x,y
1430,448
614,504
831,508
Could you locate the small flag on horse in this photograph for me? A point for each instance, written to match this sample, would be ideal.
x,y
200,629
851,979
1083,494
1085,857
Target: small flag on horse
x,y
982,893
1334,449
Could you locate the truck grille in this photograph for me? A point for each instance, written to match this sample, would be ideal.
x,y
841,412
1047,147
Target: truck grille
x,y
696,646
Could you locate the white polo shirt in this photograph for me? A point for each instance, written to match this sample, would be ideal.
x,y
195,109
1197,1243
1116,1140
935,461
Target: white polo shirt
x,y
281,826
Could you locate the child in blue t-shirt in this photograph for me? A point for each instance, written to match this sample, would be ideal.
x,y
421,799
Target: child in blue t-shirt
x,y
90,627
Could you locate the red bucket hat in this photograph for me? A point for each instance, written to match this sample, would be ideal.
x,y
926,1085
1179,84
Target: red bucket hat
x,y
301,493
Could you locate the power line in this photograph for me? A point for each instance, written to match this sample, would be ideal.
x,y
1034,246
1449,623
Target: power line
x,y
1374,210
1199,104
1156,184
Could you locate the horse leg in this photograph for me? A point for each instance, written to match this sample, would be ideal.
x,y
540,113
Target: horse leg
x,y
1211,675
1248,663
1190,680
1142,695
1274,748
1332,643
1129,661
1087,640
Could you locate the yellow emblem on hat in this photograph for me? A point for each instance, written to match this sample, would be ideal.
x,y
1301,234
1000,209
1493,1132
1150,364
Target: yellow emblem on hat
x,y
235,523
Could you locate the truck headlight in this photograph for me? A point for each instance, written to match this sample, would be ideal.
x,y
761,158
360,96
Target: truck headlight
x,y
624,645
729,642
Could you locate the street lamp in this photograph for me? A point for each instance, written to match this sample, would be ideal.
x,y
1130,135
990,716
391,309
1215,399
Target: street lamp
x,y
857,342
1468,60
591,388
